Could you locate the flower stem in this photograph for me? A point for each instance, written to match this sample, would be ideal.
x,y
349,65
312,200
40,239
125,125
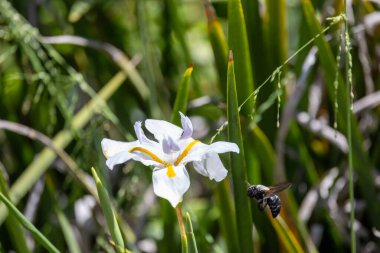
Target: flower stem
x,y
182,228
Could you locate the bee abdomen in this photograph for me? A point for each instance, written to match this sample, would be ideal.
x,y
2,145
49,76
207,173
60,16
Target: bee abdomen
x,y
274,204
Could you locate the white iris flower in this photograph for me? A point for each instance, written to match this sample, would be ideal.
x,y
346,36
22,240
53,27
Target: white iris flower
x,y
169,153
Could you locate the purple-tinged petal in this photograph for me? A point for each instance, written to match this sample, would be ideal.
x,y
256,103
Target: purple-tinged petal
x,y
140,134
169,145
187,126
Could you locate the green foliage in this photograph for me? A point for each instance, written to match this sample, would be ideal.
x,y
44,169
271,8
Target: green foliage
x,y
238,43
181,99
29,226
190,235
109,214
238,169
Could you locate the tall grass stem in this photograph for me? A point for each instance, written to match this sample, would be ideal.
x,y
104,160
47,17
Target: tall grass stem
x,y
182,229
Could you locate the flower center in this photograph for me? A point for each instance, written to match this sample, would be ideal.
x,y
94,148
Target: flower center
x,y
170,170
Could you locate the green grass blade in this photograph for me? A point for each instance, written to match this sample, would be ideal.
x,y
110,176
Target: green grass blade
x,y
276,32
179,30
276,45
265,153
108,212
180,104
184,246
29,226
361,161
242,206
167,243
46,157
238,43
219,46
223,199
190,234
13,226
254,25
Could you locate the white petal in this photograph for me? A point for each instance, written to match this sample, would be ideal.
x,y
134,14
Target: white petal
x,y
119,158
200,168
171,188
111,147
196,153
187,126
147,162
161,128
125,156
200,150
223,147
211,167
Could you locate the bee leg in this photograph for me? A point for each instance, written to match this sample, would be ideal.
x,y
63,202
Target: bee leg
x,y
262,204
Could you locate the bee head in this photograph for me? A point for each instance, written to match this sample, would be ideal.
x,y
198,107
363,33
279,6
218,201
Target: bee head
x,y
252,191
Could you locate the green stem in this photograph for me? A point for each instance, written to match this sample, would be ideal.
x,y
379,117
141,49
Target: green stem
x,y
178,211
193,243
348,68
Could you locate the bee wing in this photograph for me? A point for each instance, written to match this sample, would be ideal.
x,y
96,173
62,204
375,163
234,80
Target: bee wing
x,y
277,188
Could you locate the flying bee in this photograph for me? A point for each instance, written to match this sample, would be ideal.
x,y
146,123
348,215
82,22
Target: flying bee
x,y
266,196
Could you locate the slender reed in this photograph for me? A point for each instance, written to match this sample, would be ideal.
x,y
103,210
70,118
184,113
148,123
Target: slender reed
x,y
348,76
181,224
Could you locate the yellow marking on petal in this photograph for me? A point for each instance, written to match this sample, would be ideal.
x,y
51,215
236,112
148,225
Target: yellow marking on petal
x,y
105,153
151,154
170,171
185,152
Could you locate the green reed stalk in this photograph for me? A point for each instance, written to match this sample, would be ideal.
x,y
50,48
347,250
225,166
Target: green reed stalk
x,y
238,168
238,43
182,229
348,77
193,243
109,213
